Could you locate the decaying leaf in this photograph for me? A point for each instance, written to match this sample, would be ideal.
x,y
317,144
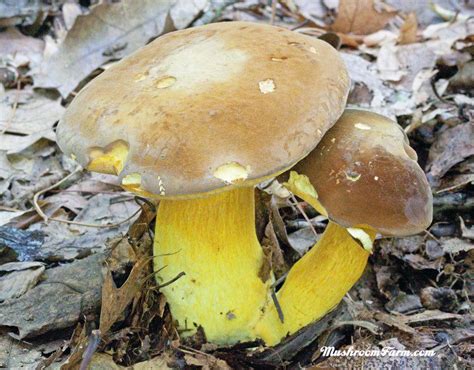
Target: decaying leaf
x,y
67,292
408,29
109,32
16,354
464,78
450,148
20,50
115,300
18,277
360,17
26,119
206,361
456,245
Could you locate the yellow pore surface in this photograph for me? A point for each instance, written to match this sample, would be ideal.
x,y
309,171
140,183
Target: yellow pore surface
x,y
213,241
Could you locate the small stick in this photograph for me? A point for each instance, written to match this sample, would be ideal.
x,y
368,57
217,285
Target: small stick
x,y
281,279
94,341
37,195
46,218
15,106
274,4
298,205
277,306
180,275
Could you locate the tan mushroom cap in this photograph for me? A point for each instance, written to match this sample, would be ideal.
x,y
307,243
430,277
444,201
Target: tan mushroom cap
x,y
202,108
365,173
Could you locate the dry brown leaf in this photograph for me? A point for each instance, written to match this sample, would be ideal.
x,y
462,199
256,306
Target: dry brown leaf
x,y
409,29
142,224
394,321
206,362
360,17
450,148
26,118
159,362
109,32
115,300
466,232
19,277
430,315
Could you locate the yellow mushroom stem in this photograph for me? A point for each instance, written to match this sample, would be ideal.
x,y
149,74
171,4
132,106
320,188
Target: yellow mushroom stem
x,y
320,279
213,241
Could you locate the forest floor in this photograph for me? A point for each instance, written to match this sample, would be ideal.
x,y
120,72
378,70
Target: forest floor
x,y
79,291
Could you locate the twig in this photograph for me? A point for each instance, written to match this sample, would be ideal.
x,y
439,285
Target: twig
x,y
180,275
94,341
274,4
15,106
281,316
46,218
298,205
273,287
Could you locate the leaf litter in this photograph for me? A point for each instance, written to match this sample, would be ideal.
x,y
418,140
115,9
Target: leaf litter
x,y
411,61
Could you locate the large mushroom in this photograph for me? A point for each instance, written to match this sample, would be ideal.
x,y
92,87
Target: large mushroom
x,y
196,119
365,177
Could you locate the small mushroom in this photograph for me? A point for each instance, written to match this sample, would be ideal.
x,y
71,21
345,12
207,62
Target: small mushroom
x,y
386,192
203,167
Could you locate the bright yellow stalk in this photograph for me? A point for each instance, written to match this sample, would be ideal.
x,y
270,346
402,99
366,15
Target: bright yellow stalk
x,y
321,278
213,241
315,284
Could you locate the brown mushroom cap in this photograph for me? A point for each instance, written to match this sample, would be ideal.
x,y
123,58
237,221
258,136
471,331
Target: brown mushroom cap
x,y
365,173
199,108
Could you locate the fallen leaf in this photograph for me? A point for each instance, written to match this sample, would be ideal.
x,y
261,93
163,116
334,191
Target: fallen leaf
x,y
115,300
360,17
450,148
206,361
438,298
70,12
15,354
21,50
102,361
464,77
466,232
18,277
302,240
314,10
409,29
393,321
67,293
456,245
23,12
388,65
159,362
33,119
109,32
404,303
24,244
362,72
430,315
66,242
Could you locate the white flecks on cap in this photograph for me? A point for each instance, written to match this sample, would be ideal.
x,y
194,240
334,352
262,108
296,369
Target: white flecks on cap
x,y
232,172
362,126
165,82
266,86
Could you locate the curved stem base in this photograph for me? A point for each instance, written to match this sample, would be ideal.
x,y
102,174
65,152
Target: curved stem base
x,y
315,284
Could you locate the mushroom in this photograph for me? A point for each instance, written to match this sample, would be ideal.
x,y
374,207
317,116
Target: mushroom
x,y
195,120
366,180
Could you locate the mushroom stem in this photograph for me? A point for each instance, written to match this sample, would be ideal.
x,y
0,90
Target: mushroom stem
x,y
213,241
321,278
315,284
